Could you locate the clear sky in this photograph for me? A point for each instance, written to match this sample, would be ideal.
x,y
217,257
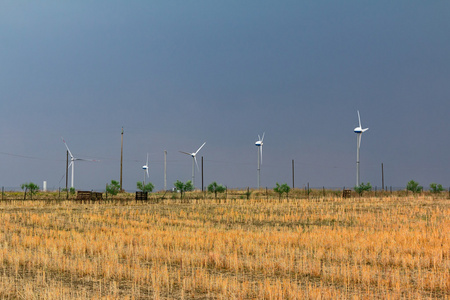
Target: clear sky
x,y
176,74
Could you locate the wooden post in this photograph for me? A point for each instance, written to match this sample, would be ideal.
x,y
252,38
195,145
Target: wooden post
x,y
293,181
121,160
308,190
165,170
202,174
382,176
67,173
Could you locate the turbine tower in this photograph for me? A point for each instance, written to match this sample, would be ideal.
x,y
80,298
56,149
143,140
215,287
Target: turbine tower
x,y
194,162
358,130
72,163
259,144
145,168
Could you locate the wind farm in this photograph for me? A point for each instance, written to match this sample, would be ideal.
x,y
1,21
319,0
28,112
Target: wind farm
x,y
172,100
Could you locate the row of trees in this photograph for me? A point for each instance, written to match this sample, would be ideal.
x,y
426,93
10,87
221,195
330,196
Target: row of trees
x,y
411,186
114,188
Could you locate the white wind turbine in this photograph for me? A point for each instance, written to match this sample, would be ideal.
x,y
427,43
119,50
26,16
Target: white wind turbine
x,y
194,162
358,130
72,162
259,144
145,168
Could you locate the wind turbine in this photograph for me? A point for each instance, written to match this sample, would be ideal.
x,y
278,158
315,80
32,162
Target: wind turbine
x,y
358,130
145,168
194,161
72,162
259,144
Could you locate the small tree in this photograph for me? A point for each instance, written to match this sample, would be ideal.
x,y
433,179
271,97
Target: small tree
x,y
436,188
281,189
31,187
414,187
183,187
363,188
145,188
113,188
216,188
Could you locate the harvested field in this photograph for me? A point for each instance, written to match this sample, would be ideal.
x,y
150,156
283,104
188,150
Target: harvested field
x,y
359,248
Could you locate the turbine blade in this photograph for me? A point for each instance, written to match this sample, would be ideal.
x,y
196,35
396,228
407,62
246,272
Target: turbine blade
x,y
359,140
200,148
259,138
195,158
70,165
84,159
147,173
147,160
185,152
365,129
359,120
263,137
67,147
260,150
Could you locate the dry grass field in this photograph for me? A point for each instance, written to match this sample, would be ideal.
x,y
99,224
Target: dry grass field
x,y
326,248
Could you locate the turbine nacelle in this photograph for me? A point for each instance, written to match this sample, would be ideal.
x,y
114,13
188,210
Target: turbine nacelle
x,y
360,130
260,140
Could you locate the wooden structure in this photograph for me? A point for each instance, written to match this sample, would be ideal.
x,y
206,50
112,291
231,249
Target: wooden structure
x,y
89,196
346,193
141,196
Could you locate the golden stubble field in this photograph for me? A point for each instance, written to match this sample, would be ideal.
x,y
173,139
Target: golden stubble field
x,y
330,248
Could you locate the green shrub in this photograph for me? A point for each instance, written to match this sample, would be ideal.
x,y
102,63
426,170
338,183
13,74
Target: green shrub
x,y
113,188
184,187
281,189
216,188
414,187
31,187
436,188
145,188
363,188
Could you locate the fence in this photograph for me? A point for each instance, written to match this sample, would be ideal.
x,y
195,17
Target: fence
x,y
229,194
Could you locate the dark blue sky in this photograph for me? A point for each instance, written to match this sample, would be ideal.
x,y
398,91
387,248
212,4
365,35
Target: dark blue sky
x,y
177,73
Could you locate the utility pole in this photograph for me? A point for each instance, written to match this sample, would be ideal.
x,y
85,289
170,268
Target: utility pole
x,y
121,160
293,174
382,177
165,170
67,172
202,174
